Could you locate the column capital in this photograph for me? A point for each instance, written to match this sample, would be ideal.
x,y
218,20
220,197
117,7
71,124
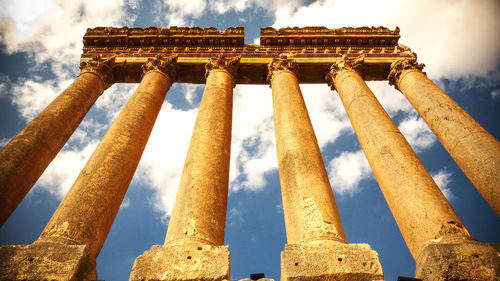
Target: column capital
x,y
344,64
220,62
100,67
283,63
163,65
401,65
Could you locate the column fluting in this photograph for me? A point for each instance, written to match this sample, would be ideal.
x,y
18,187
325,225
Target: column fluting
x,y
420,209
199,212
88,210
475,150
27,155
308,202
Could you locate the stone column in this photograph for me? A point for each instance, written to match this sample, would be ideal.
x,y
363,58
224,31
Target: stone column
x,y
475,150
84,217
26,156
424,216
194,242
317,246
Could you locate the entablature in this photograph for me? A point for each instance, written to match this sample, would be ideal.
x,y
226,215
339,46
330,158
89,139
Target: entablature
x,y
194,46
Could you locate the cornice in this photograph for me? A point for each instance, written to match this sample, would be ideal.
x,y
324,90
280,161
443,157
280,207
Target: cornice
x,y
130,37
321,36
401,65
324,30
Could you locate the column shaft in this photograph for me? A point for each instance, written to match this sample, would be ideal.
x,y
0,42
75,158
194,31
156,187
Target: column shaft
x,y
26,156
475,150
420,209
308,203
87,212
316,244
194,242
199,212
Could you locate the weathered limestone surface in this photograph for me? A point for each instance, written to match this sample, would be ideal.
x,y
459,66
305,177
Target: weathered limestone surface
x,y
193,245
458,260
88,210
46,261
26,156
330,261
308,203
186,262
316,239
475,150
420,209
199,211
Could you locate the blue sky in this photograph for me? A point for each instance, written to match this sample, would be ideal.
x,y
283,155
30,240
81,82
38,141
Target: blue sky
x,y
40,45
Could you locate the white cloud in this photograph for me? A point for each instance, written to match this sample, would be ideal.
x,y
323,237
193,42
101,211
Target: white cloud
x,y
163,158
26,13
64,169
347,171
393,101
114,98
234,216
279,208
445,34
32,96
190,92
495,94
54,38
4,141
223,6
180,12
125,204
417,133
442,179
327,113
253,148
57,36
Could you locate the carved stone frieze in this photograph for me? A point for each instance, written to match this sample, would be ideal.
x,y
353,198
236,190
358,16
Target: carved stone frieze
x,y
103,68
321,36
401,65
155,37
345,63
165,65
325,30
222,63
282,63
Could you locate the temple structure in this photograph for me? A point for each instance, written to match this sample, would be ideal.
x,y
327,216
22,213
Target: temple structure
x,y
194,246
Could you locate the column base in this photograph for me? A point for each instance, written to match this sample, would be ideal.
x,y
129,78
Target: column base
x,y
182,262
465,260
46,261
327,260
